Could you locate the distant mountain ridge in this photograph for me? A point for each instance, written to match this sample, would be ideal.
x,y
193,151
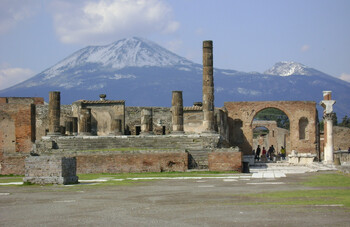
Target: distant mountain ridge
x,y
144,74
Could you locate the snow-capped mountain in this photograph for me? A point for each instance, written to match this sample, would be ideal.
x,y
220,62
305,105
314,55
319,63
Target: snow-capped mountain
x,y
285,68
143,74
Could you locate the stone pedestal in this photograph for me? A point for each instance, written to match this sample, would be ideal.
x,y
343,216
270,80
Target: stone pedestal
x,y
177,113
146,122
208,87
85,122
116,127
54,113
50,170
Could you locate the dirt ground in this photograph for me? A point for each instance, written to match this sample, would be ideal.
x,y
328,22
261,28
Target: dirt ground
x,y
209,202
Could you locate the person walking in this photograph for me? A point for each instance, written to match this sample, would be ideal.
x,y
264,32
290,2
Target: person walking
x,y
283,153
257,154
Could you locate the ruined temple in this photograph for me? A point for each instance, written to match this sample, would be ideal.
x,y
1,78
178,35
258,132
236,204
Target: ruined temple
x,y
108,136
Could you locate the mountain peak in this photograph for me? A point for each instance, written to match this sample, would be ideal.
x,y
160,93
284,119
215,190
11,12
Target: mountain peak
x,y
129,52
288,68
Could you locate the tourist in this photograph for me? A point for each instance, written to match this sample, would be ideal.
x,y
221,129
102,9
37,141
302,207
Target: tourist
x,y
257,154
271,151
283,153
264,152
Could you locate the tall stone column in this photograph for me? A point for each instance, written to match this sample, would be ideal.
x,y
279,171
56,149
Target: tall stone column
x,y
69,127
177,112
327,103
85,122
116,127
74,125
54,113
208,87
146,122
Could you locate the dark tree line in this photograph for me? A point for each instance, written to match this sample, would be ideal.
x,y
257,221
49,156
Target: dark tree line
x,y
345,122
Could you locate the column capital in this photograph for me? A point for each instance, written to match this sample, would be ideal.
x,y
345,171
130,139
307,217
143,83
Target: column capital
x,y
328,116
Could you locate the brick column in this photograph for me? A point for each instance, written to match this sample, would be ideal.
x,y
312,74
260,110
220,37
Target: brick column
x,y
177,112
327,103
54,113
116,127
208,87
85,122
146,122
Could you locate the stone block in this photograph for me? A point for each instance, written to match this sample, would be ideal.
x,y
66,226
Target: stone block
x,y
50,170
225,160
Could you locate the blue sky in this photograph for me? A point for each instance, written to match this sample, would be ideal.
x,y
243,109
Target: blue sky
x,y
248,35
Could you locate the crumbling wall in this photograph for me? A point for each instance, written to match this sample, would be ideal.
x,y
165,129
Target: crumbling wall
x,y
42,118
225,160
161,119
17,132
103,112
241,115
127,162
341,137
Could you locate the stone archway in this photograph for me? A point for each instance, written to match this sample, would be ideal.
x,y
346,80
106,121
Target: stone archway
x,y
295,110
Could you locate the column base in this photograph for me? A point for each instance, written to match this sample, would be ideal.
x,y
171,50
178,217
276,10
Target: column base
x,y
208,133
54,134
146,133
84,134
177,133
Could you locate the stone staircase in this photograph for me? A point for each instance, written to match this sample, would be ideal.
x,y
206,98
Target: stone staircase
x,y
198,159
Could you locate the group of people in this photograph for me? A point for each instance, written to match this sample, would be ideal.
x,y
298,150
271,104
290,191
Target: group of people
x,y
269,154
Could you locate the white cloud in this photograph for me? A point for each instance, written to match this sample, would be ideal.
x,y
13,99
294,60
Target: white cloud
x,y
12,76
174,45
14,11
305,48
345,76
103,21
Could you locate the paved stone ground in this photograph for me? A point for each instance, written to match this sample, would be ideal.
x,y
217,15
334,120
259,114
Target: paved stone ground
x,y
181,202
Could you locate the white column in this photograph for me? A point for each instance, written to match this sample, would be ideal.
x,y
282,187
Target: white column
x,y
328,146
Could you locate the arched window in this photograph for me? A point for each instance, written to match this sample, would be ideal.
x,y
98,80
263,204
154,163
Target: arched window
x,y
303,124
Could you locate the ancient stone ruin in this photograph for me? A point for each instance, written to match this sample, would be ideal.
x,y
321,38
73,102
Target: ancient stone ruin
x,y
106,136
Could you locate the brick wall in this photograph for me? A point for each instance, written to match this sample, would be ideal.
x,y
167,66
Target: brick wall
x,y
341,137
132,162
12,164
17,127
225,160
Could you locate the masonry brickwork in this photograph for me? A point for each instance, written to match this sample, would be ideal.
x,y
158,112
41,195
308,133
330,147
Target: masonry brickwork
x,y
50,170
136,161
241,116
225,160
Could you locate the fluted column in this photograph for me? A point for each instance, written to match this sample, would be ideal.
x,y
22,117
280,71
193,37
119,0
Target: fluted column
x,y
146,122
208,87
177,112
328,114
85,121
54,113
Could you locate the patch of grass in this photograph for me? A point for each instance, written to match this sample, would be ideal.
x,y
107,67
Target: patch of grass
x,y
152,174
12,179
329,180
339,193
11,175
306,197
